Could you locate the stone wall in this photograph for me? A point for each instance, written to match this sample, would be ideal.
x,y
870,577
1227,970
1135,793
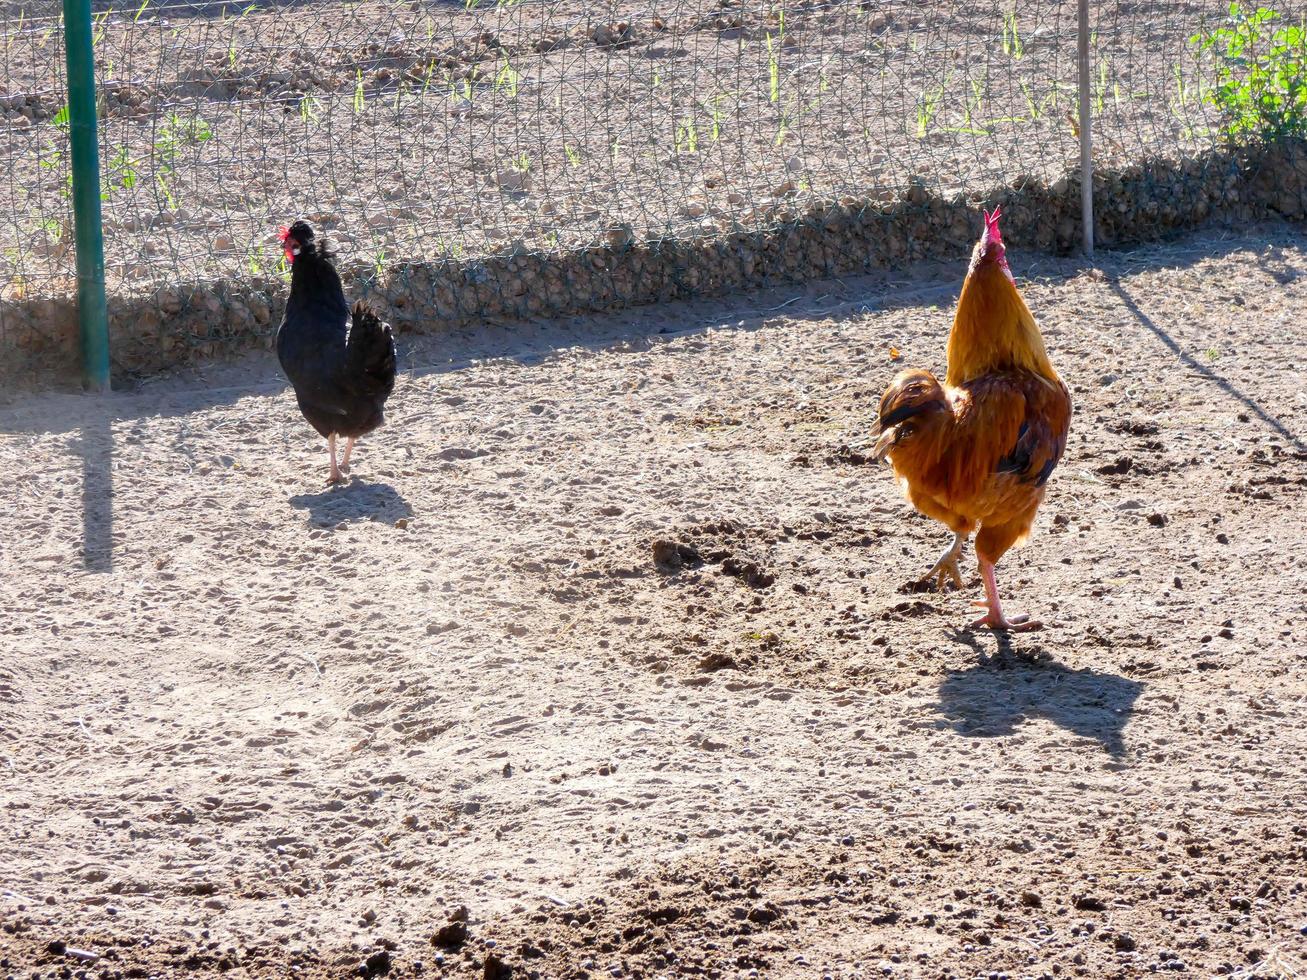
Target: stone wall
x,y
184,323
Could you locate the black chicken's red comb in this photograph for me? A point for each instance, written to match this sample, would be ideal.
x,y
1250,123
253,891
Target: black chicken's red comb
x,y
282,234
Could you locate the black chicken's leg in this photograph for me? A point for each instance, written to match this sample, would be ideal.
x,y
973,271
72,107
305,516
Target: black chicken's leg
x,y
335,476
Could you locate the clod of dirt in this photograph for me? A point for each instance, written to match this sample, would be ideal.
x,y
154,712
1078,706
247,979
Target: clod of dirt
x,y
764,914
458,453
1157,520
1134,428
1122,465
376,965
496,969
613,35
1089,903
848,456
673,554
1124,942
748,572
1032,900
664,915
918,585
452,935
717,661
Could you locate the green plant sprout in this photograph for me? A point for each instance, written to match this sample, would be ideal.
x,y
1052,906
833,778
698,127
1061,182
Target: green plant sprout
x,y
971,107
506,79
1012,46
773,72
573,157
717,116
1100,86
687,137
927,106
49,31
521,163
358,91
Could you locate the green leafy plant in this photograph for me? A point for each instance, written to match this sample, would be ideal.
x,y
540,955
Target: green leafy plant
x,y
1260,85
176,132
121,171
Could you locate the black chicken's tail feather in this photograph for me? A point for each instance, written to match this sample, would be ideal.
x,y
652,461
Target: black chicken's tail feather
x,y
371,353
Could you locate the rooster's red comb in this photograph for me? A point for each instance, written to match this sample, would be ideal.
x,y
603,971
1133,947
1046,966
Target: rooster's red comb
x,y
282,234
991,224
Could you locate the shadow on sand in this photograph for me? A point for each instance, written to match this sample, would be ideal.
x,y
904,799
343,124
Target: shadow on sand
x,y
95,446
997,695
357,500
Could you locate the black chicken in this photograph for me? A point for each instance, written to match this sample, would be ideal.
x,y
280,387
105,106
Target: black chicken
x,y
341,362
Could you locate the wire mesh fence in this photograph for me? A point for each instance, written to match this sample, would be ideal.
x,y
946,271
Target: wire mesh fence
x,y
544,156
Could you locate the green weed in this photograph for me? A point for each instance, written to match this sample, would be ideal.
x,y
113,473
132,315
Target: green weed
x,y
1260,67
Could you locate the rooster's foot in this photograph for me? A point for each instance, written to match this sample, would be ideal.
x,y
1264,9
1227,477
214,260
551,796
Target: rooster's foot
x,y
995,620
947,566
942,571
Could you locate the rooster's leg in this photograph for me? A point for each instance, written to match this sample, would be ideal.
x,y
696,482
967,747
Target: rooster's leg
x,y
335,476
947,566
995,619
349,447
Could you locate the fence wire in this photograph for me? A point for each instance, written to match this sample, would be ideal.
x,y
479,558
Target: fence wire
x,y
484,158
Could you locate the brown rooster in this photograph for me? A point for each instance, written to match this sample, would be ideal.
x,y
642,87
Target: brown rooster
x,y
977,451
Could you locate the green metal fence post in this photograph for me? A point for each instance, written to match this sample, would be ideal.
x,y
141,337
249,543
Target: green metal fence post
x,y
92,310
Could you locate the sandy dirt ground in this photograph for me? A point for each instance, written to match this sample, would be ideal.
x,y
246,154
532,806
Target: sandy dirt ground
x,y
454,719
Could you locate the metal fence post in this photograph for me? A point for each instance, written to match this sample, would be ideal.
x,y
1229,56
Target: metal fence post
x,y
92,309
1086,133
